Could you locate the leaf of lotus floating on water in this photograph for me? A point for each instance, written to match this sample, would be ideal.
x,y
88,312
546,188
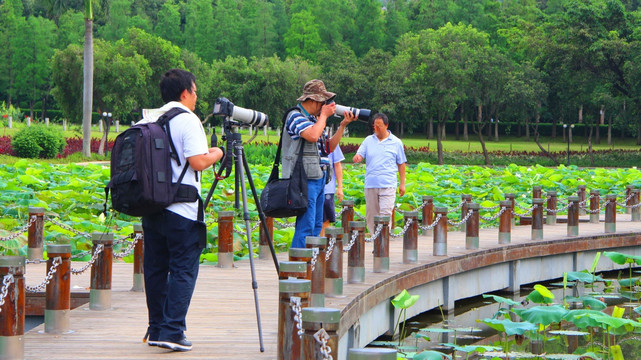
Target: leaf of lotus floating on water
x,y
437,330
568,332
544,315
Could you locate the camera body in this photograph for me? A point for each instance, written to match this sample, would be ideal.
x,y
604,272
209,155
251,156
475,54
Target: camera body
x,y
245,116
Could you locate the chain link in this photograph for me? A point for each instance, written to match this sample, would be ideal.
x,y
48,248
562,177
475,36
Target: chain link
x,y
285,225
36,261
99,249
554,211
20,231
628,197
490,208
465,219
459,206
294,302
492,218
322,337
522,207
379,228
407,226
52,270
629,206
129,248
432,225
8,279
315,252
359,216
67,227
348,247
341,211
330,248
582,203
420,208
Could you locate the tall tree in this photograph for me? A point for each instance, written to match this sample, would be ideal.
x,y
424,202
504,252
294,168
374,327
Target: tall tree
x,y
200,34
370,24
11,21
168,25
70,29
303,37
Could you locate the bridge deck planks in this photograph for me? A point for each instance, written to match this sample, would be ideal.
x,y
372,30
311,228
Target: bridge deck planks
x,y
222,318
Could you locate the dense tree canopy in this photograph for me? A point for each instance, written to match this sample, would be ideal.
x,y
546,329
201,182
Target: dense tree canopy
x,y
425,62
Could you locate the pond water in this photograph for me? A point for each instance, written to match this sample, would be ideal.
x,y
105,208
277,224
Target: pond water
x,y
430,330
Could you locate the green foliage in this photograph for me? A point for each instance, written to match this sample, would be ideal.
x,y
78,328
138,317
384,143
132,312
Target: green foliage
x,y
38,142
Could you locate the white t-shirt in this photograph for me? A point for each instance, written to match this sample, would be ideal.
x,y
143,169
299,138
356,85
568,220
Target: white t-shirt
x,y
189,138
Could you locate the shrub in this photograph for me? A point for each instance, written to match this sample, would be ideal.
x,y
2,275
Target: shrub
x,y
38,142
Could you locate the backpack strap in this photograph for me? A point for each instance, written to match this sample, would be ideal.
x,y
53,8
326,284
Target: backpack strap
x,y
164,122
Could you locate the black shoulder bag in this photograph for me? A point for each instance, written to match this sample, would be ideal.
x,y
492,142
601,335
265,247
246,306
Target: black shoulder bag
x,y
283,198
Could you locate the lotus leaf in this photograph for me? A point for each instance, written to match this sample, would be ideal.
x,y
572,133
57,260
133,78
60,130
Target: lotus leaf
x,y
544,315
508,326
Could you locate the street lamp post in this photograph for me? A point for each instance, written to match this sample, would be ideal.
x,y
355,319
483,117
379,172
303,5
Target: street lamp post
x,y
106,116
569,137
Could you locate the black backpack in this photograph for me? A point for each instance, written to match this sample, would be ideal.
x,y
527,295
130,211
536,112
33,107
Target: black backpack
x,y
141,175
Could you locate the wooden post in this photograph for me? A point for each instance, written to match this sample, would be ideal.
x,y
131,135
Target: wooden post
x,y
372,354
302,254
58,291
573,216
381,245
317,298
356,257
348,215
472,227
12,312
139,262
636,214
551,208
226,239
428,212
628,202
35,233
581,194
289,342
505,222
292,269
315,319
410,238
595,200
536,192
440,232
100,292
334,266
465,200
611,213
264,251
537,219
512,198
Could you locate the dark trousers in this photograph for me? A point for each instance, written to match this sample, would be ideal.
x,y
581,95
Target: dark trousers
x,y
171,263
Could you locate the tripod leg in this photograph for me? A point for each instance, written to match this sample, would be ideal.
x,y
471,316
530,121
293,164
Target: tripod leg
x,y
240,177
261,215
213,185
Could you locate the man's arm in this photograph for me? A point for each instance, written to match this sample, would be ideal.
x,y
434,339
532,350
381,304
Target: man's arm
x,y
338,172
401,172
314,132
203,161
334,140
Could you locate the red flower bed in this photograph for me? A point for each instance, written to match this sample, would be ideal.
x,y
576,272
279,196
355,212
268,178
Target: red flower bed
x,y
73,145
5,146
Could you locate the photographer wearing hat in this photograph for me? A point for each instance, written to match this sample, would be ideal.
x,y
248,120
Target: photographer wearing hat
x,y
306,122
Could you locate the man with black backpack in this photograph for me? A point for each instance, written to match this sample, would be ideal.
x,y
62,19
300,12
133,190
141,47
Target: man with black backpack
x,y
175,236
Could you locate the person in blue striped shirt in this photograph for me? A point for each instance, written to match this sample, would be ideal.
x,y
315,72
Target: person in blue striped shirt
x,y
305,126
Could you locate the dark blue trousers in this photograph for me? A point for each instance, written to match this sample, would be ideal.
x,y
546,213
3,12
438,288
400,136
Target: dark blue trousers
x,y
171,261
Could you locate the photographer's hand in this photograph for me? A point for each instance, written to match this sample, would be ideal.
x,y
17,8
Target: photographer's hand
x,y
349,117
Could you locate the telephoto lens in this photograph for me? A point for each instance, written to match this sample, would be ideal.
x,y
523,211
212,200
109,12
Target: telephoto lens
x,y
361,114
246,116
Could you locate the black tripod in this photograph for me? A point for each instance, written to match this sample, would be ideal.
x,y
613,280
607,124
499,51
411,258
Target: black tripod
x,y
235,151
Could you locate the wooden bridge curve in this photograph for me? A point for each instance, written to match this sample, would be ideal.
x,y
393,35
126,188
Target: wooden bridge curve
x,y
222,318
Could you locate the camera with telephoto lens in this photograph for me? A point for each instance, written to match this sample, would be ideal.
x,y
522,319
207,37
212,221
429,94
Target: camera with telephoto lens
x,y
245,116
361,114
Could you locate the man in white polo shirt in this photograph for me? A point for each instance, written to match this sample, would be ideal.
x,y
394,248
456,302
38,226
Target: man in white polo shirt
x,y
384,156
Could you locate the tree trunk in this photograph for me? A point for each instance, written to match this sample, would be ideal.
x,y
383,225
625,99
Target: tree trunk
x,y
638,133
444,129
536,140
465,128
496,129
430,128
103,141
610,130
87,93
527,128
553,128
439,144
590,147
597,135
580,114
457,123
479,120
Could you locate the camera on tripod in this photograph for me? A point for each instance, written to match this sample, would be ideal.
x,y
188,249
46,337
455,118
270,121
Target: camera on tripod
x,y
245,116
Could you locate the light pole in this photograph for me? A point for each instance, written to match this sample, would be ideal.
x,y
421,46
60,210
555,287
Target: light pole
x,y
106,116
569,138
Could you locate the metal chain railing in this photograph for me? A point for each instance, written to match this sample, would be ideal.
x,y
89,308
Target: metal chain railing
x,y
465,219
52,270
253,228
407,226
377,232
527,210
492,218
129,248
432,225
522,207
361,217
349,245
557,210
341,211
99,249
284,225
582,203
322,337
294,302
36,261
67,227
6,280
330,248
628,198
20,231
315,252
458,206
489,208
629,206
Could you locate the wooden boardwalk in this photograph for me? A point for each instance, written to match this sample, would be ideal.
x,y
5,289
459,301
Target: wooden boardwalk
x,y
222,317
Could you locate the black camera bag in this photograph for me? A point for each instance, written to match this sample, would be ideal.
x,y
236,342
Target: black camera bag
x,y
283,198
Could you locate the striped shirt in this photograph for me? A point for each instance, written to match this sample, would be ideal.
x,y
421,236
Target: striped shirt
x,y
297,122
